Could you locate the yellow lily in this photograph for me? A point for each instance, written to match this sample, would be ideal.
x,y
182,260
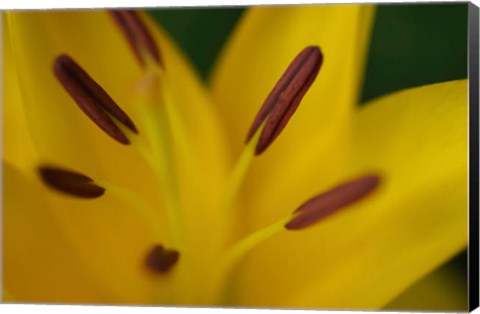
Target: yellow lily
x,y
186,213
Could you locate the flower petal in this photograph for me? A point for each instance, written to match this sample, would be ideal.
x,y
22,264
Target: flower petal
x,y
28,263
17,145
366,254
60,250
265,42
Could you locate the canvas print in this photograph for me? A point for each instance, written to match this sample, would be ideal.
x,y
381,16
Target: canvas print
x,y
301,157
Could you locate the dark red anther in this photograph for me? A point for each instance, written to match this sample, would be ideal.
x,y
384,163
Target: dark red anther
x,y
160,259
331,201
70,182
137,35
92,99
283,100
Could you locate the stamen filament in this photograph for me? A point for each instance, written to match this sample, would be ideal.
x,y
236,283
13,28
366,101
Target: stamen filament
x,y
166,135
245,245
233,255
238,174
232,188
159,152
307,214
179,131
159,156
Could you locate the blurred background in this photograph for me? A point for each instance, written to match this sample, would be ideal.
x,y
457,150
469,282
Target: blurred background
x,y
411,45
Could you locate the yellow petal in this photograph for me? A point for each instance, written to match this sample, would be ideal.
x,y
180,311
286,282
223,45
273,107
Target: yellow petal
x,y
42,264
104,240
17,145
36,271
265,42
365,255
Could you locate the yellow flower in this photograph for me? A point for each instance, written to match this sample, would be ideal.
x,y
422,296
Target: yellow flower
x,y
172,207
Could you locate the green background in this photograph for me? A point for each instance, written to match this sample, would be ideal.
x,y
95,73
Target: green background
x,y
411,45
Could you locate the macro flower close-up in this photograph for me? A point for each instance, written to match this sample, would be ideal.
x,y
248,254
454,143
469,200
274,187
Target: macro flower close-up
x,y
128,179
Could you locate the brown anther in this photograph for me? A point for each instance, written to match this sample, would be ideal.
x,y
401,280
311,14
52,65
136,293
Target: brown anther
x,y
70,182
161,260
283,100
92,99
137,35
329,202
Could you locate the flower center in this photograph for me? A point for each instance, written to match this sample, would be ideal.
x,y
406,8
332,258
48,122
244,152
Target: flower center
x,y
157,113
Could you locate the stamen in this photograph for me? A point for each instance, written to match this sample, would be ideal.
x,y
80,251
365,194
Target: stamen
x,y
283,100
155,110
328,203
92,98
237,251
70,182
137,34
161,260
